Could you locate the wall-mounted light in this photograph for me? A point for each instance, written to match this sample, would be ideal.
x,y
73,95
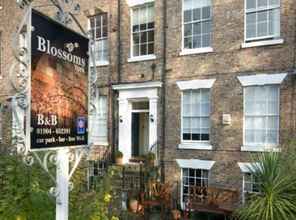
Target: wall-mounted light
x,y
152,118
120,119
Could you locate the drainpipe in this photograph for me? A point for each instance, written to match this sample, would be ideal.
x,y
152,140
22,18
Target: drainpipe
x,y
114,93
163,91
118,41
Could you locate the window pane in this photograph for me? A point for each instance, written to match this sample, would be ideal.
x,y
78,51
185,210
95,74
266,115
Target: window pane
x,y
274,22
272,123
206,27
274,2
136,50
251,30
150,17
206,13
150,36
105,31
188,16
251,18
262,3
272,137
151,48
144,37
187,4
197,28
188,42
136,38
196,41
197,14
187,30
249,136
143,48
206,40
251,4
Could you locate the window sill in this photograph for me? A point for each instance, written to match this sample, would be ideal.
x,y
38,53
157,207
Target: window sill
x,y
262,43
101,144
102,63
196,146
261,148
185,52
141,58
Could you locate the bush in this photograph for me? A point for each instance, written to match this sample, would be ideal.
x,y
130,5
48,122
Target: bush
x,y
118,154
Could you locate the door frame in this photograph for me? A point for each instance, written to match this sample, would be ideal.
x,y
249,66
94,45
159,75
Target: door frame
x,y
127,94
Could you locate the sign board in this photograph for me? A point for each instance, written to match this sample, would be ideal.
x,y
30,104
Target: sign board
x,y
59,85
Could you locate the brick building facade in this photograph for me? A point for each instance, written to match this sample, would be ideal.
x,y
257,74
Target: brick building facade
x,y
207,83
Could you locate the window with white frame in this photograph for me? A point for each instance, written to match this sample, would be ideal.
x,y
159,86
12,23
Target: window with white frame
x,y
99,29
191,178
196,115
99,120
143,30
261,115
197,24
262,19
251,183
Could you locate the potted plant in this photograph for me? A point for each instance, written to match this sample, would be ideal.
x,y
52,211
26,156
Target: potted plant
x,y
133,205
150,158
176,214
118,157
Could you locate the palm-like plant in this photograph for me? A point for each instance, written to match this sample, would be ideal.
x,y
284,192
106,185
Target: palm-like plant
x,y
275,173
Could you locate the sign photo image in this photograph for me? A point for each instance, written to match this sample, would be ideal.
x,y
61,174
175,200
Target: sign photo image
x,y
59,85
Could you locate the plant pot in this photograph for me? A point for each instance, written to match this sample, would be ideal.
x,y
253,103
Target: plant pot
x,y
150,163
176,214
119,161
133,205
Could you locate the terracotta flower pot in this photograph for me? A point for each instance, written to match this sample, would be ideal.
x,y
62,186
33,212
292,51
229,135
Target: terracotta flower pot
x,y
176,214
133,205
119,161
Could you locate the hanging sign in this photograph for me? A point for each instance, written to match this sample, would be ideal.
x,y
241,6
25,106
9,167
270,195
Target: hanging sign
x,y
59,85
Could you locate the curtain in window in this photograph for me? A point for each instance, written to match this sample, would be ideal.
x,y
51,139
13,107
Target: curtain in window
x,y
98,122
261,115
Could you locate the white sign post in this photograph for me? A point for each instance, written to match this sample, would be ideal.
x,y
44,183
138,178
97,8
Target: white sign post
x,y
66,159
62,199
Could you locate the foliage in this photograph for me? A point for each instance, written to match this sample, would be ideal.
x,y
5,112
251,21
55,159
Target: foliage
x,y
277,198
118,154
24,193
150,156
96,204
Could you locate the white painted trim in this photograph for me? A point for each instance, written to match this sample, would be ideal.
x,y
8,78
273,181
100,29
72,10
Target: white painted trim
x,y
196,84
247,167
196,146
144,85
195,164
129,93
141,58
101,144
262,79
260,149
185,52
262,43
100,63
133,3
